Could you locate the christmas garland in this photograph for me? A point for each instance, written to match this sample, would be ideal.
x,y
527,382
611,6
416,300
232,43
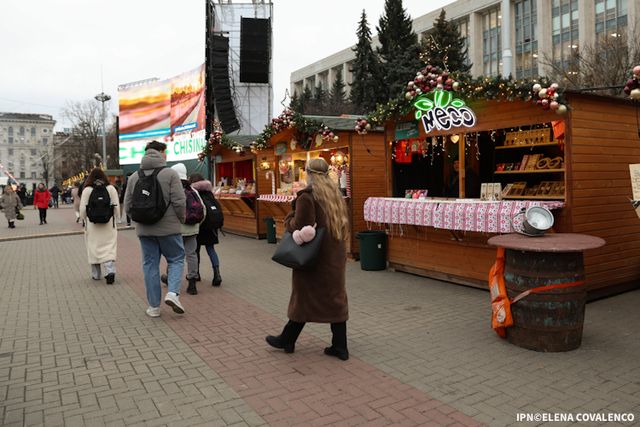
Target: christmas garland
x,y
542,91
217,138
305,130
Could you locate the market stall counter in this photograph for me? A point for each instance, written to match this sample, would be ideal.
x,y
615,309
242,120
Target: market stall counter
x,y
236,188
455,187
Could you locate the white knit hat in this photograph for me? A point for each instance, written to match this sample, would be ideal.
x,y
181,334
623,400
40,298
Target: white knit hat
x,y
181,169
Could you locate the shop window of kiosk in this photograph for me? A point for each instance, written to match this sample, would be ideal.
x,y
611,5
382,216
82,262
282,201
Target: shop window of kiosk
x,y
293,177
236,177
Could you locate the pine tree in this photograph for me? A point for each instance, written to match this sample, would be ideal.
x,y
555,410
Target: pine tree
x,y
337,97
444,47
318,102
303,101
294,103
398,51
366,70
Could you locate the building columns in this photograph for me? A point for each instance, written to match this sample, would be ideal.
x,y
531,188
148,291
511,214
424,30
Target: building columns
x,y
475,44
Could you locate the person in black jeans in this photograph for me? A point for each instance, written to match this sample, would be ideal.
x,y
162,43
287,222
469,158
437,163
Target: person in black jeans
x,y
55,192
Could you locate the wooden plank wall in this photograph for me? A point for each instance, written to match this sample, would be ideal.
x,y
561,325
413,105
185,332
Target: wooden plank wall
x,y
603,142
435,253
369,177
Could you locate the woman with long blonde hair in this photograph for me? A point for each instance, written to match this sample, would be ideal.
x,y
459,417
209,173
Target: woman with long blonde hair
x,y
319,294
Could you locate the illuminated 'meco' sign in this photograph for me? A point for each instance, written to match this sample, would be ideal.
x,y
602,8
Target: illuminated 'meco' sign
x,y
443,112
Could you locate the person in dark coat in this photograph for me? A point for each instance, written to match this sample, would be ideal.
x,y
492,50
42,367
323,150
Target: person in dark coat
x,y
208,234
55,192
319,294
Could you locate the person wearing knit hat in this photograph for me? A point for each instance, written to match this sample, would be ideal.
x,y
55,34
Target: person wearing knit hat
x,y
191,227
208,235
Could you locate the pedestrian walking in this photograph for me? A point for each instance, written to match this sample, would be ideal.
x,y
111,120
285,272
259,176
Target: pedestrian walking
x,y
11,204
319,294
75,195
41,198
55,192
99,207
22,194
208,233
194,216
122,193
155,200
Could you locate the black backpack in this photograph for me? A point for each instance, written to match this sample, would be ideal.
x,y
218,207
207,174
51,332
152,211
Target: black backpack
x,y
99,207
215,217
147,203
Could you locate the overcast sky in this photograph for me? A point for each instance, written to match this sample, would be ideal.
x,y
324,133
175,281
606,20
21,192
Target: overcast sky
x,y
54,51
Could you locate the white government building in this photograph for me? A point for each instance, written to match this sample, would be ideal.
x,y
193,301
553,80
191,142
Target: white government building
x,y
25,139
539,31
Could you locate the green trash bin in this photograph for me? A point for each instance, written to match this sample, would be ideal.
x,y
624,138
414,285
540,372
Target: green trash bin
x,y
373,250
271,229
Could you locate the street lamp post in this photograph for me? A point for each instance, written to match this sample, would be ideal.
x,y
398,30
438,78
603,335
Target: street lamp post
x,y
103,97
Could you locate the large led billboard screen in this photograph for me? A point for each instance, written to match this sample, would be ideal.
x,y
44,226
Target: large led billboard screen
x,y
171,111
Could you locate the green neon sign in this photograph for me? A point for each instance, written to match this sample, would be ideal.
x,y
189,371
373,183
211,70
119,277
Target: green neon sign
x,y
443,112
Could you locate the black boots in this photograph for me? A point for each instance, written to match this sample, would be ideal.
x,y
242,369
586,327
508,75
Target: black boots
x,y
111,277
11,224
338,341
191,289
287,339
217,278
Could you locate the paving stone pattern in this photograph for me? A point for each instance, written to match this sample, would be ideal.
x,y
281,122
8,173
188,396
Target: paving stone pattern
x,y
74,351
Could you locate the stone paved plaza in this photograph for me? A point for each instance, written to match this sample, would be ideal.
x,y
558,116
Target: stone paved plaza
x,y
74,351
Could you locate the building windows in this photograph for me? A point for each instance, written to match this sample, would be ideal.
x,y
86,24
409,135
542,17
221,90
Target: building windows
x,y
10,131
463,27
611,17
10,151
564,30
22,175
33,152
33,175
21,131
491,45
33,132
10,140
45,141
526,38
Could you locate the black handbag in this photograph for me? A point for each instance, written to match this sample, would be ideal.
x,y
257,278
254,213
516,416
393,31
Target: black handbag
x,y
298,257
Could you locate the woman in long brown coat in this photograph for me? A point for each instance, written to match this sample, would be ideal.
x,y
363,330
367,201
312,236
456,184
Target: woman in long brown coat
x,y
319,294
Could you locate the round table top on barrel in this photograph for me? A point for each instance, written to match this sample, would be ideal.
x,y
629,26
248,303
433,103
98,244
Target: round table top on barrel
x,y
554,242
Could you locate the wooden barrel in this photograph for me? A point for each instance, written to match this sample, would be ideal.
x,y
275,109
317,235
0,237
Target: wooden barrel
x,y
549,320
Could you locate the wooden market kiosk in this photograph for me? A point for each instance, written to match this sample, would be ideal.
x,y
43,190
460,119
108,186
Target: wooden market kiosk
x,y
576,164
358,163
235,187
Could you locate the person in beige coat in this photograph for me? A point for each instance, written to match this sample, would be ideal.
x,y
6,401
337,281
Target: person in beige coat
x,y
76,199
10,202
101,239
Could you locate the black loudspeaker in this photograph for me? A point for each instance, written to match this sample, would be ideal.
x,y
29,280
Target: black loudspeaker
x,y
219,79
255,39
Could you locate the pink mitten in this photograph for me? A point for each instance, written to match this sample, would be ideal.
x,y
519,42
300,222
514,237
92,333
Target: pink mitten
x,y
297,237
307,233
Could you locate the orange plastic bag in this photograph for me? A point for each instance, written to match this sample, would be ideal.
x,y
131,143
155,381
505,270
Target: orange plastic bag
x,y
500,305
